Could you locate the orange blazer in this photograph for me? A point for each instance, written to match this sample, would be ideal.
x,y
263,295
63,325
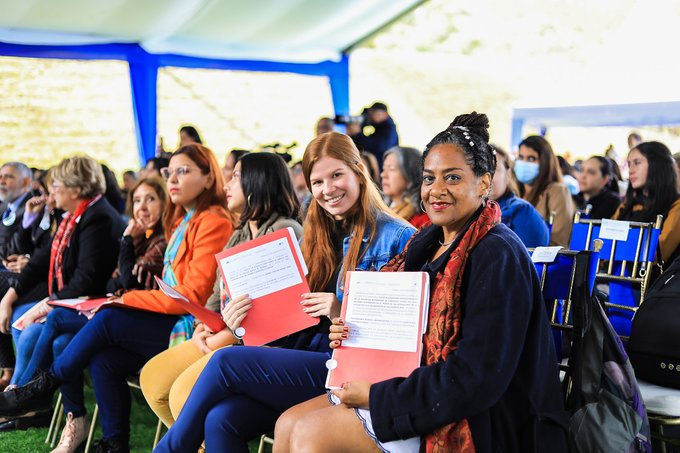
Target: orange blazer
x,y
195,265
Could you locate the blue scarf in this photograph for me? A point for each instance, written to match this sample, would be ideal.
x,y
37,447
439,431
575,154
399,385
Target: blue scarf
x,y
184,328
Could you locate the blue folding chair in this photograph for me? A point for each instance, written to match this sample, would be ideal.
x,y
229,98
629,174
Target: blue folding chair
x,y
625,267
549,223
567,285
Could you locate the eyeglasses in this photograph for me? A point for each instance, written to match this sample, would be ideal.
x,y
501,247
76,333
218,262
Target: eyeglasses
x,y
56,186
180,171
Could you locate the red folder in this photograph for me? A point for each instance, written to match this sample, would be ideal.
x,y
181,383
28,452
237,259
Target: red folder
x,y
80,304
211,319
276,310
374,365
84,306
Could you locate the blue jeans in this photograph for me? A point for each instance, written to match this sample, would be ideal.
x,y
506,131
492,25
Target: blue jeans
x,y
115,344
26,344
59,321
23,340
240,394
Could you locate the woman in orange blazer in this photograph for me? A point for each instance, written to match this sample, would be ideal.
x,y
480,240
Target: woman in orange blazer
x,y
195,266
119,339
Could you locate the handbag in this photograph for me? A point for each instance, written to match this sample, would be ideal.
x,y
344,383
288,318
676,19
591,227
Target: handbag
x,y
654,345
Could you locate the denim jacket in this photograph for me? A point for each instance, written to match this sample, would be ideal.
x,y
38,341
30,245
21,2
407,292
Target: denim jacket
x,y
390,238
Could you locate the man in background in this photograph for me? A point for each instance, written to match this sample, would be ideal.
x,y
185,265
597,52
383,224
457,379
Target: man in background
x,y
15,187
384,136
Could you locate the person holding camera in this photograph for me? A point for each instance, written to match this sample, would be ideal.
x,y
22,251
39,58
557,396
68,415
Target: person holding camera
x,y
383,138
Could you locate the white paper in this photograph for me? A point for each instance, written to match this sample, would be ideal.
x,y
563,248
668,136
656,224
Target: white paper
x,y
545,254
614,229
261,270
169,290
383,310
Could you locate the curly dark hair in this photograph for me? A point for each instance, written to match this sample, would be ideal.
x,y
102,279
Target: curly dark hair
x,y
469,132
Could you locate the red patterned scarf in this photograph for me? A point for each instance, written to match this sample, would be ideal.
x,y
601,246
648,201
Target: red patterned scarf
x,y
444,322
61,242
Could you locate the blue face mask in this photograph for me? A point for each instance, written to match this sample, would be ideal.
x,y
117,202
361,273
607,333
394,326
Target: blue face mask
x,y
526,172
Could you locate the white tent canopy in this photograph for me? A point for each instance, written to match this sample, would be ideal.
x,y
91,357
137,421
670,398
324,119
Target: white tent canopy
x,y
298,36
274,30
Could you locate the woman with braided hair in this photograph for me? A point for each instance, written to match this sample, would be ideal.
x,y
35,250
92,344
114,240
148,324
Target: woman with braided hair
x,y
488,379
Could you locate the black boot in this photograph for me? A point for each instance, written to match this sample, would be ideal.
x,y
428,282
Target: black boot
x,y
34,420
36,396
112,445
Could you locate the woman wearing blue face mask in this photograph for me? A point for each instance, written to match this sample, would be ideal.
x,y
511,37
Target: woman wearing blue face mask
x,y
538,172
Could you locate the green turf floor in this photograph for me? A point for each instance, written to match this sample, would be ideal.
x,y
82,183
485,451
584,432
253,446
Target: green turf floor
x,y
142,429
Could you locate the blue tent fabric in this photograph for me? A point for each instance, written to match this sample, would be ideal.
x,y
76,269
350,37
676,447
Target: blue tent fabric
x,y
143,83
144,75
647,114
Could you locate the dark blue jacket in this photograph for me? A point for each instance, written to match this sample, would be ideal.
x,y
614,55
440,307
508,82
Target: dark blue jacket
x,y
503,377
384,138
522,218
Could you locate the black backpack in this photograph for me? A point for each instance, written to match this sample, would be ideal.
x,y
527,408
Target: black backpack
x,y
654,346
608,413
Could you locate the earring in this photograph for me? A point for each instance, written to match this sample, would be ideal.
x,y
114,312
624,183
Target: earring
x,y
422,206
248,199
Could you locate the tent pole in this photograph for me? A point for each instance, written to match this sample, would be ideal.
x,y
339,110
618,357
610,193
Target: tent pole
x,y
339,83
143,83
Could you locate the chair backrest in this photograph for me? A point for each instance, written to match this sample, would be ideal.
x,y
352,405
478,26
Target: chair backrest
x,y
567,285
625,266
559,281
549,223
585,212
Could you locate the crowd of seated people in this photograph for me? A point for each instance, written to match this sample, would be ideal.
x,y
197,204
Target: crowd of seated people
x,y
462,210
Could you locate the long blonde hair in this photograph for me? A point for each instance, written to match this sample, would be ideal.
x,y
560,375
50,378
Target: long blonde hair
x,y
317,242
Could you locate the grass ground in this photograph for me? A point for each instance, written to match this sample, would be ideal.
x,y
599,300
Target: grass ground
x,y
142,429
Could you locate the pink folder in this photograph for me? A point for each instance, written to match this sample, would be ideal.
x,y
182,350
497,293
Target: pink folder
x,y
275,314
375,365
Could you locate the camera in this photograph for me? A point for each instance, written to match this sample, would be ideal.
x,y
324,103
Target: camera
x,y
349,119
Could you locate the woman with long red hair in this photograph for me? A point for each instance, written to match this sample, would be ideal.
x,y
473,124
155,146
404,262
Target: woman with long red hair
x,y
118,341
243,390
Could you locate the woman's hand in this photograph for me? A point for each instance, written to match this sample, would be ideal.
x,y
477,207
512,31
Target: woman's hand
x,y
135,228
35,205
235,311
321,304
15,263
220,339
36,313
145,277
5,316
201,333
338,332
354,393
6,310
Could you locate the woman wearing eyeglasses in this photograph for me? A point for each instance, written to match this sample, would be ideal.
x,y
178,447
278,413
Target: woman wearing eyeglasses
x,y
118,341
